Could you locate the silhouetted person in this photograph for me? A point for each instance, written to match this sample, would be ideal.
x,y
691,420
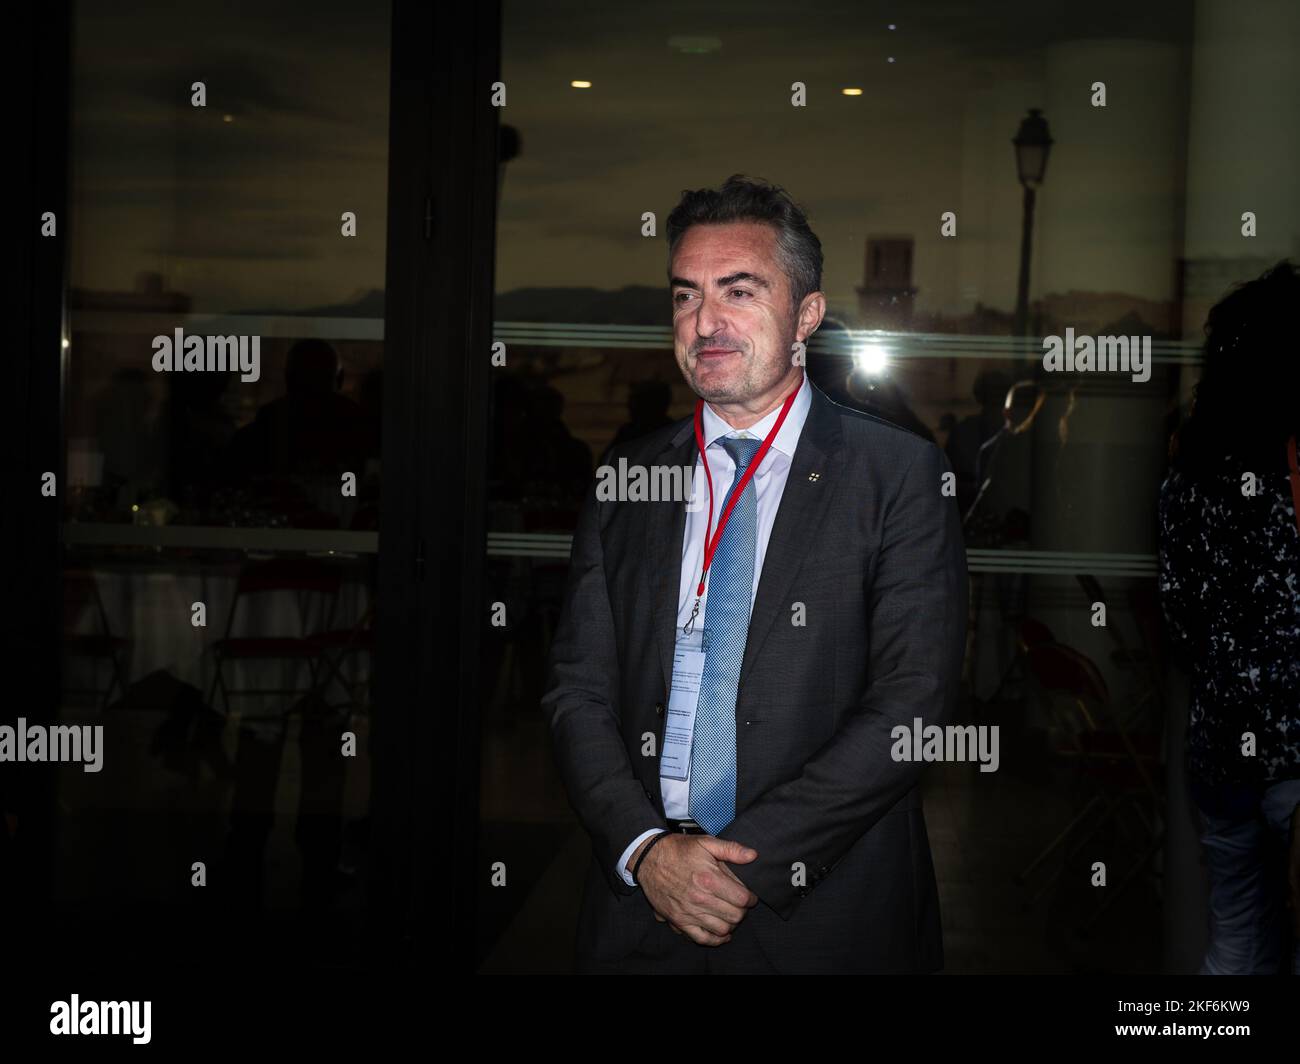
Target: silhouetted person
x,y
881,395
200,430
827,365
127,435
558,464
1230,590
839,376
999,513
647,410
971,433
309,430
506,473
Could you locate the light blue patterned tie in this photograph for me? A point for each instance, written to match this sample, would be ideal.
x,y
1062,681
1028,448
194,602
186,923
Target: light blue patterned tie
x,y
712,802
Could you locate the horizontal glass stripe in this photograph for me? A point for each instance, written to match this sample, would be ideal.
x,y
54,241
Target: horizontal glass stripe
x,y
536,545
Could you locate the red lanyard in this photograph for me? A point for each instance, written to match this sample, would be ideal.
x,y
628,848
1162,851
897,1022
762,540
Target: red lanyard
x,y
712,545
1295,478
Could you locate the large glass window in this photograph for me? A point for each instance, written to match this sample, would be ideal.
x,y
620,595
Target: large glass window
x,y
222,383
951,253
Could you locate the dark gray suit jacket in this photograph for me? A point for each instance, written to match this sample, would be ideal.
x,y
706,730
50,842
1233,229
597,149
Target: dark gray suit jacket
x,y
873,549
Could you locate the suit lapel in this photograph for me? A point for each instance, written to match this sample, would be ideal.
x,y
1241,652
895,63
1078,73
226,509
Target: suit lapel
x,y
803,506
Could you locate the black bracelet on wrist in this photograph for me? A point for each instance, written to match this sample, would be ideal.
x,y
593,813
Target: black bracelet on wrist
x,y
637,867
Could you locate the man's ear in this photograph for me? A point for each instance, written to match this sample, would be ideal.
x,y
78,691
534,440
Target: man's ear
x,y
811,313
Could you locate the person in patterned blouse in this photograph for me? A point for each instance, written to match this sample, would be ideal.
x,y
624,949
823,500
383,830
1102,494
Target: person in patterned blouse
x,y
1229,578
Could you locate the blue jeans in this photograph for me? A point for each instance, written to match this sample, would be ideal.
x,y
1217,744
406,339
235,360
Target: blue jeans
x,y
1246,857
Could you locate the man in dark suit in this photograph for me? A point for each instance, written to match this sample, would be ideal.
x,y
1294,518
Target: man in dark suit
x,y
725,716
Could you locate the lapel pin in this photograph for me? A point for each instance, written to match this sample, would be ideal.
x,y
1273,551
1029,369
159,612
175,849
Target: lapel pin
x,y
814,476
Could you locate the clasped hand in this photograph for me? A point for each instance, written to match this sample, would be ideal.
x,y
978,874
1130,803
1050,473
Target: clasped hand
x,y
688,884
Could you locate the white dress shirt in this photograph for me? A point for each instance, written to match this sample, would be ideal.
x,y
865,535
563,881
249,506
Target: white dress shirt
x,y
769,484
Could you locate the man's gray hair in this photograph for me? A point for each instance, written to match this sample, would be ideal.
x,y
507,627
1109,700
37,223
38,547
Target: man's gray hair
x,y
743,200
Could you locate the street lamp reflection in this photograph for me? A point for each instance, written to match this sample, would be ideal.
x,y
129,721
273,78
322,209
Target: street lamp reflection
x,y
871,358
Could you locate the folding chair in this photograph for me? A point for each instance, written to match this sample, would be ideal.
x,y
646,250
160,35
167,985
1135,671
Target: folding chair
x,y
311,582
529,636
1137,660
80,594
333,649
1121,767
1030,633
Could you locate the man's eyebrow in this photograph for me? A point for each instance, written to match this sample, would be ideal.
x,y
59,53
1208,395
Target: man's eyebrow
x,y
723,282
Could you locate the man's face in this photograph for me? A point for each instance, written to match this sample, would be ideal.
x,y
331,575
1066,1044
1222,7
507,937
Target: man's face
x,y
733,325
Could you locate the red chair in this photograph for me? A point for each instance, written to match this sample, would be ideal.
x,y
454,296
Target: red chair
x,y
1121,768
312,582
1029,634
1139,660
80,595
1033,634
334,648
